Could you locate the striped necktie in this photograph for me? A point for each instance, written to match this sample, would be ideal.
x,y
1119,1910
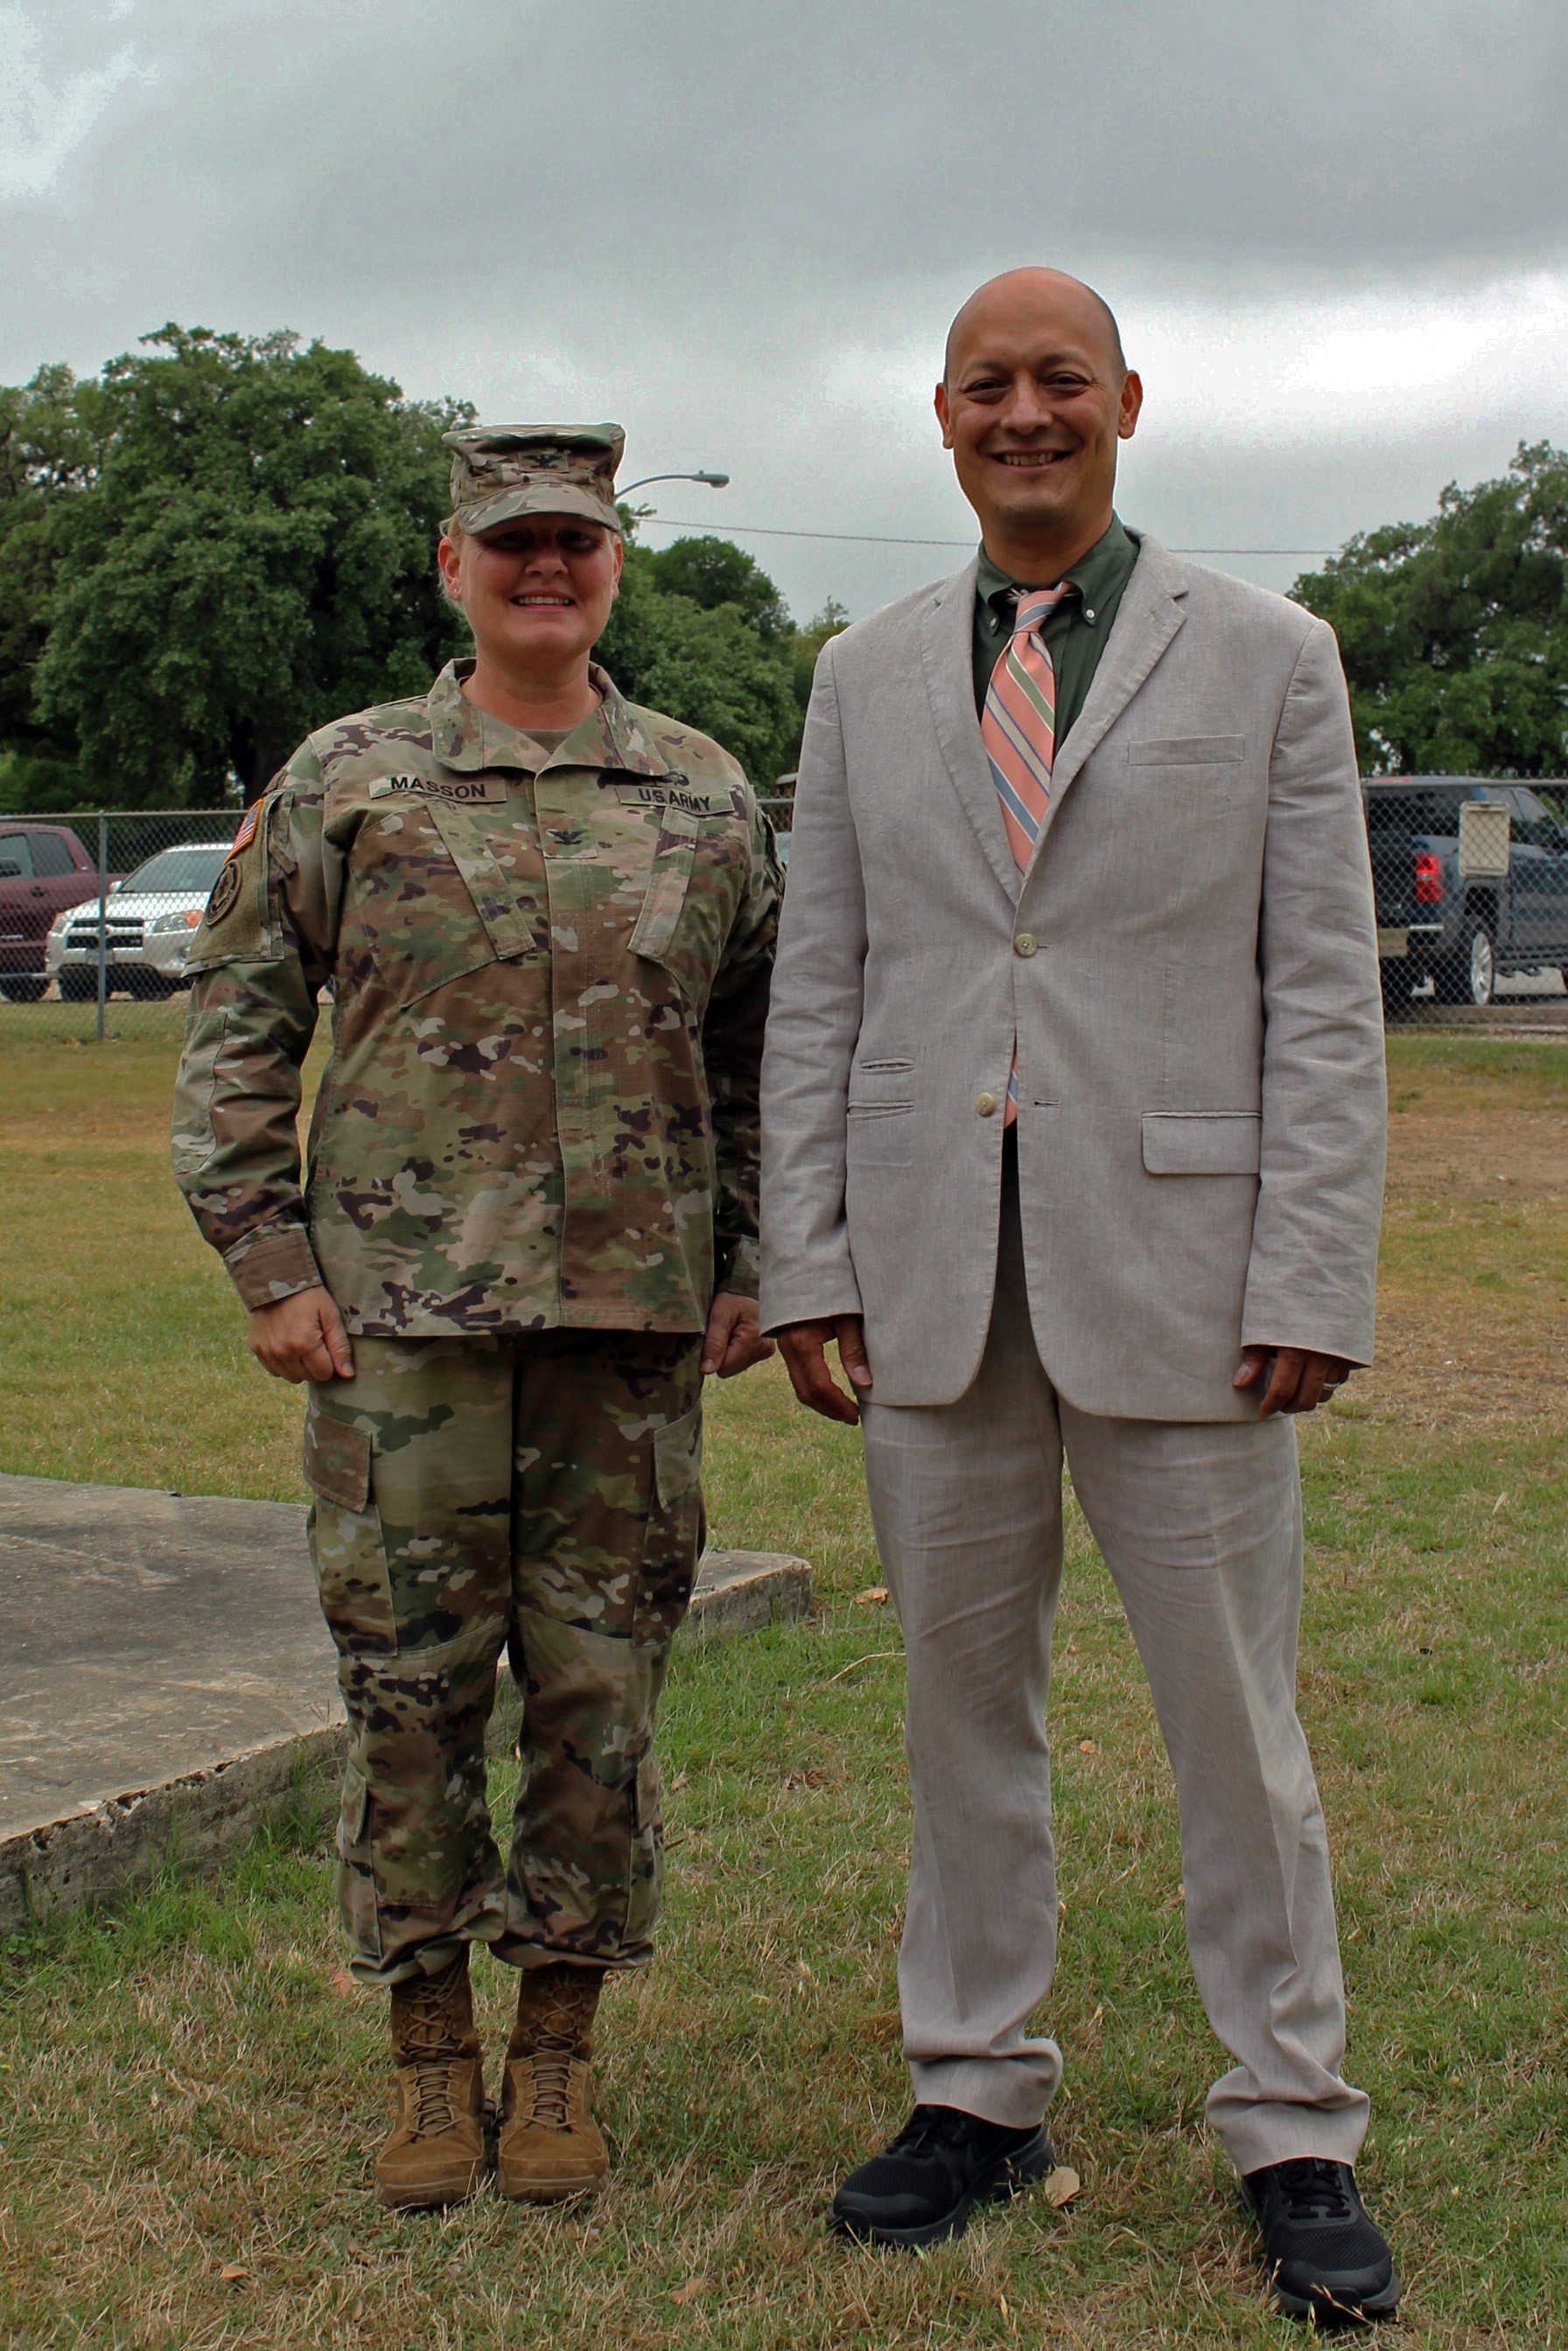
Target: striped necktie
x,y
1017,727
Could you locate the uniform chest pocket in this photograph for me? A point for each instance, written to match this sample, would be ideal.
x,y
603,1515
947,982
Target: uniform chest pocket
x,y
696,878
434,898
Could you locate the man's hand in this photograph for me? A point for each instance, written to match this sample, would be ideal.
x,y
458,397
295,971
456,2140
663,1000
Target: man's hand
x,y
1295,1379
804,1345
300,1338
733,1341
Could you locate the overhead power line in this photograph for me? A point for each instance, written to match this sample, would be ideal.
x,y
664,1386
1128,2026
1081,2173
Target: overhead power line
x,y
875,539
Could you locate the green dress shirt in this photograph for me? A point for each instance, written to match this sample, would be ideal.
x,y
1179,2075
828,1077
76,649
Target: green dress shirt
x,y
1076,632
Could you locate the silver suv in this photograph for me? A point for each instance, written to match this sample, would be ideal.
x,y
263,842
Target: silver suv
x,y
152,917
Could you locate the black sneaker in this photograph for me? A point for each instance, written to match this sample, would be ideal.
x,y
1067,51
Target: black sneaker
x,y
1326,2258
920,2189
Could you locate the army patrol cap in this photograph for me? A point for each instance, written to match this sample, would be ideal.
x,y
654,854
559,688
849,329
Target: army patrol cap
x,y
499,471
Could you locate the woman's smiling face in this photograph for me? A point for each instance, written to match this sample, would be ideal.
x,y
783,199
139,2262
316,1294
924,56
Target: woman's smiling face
x,y
536,591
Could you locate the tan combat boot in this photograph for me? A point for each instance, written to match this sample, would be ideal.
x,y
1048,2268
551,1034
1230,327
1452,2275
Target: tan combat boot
x,y
436,2151
549,2146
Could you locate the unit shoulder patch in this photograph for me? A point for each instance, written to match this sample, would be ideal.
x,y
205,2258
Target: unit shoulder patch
x,y
226,888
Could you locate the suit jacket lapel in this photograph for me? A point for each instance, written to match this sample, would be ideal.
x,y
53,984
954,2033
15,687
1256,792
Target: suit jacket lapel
x,y
1148,617
947,641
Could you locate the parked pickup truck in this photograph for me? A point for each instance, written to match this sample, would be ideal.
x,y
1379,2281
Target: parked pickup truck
x,y
44,869
1463,931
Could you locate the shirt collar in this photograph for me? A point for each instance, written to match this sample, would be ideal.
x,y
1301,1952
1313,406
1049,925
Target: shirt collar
x,y
468,738
1095,575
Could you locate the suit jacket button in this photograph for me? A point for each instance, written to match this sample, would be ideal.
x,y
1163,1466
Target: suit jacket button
x,y
1026,944
985,1104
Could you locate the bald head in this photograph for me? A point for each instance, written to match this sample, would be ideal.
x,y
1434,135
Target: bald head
x,y
1022,294
1034,398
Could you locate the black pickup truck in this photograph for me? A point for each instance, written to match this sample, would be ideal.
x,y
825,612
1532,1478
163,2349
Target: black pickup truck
x,y
1463,932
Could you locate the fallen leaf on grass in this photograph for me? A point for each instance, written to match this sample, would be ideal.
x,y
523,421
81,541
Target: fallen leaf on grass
x,y
231,2274
341,1982
677,1783
1062,2186
690,2290
1087,1747
876,1593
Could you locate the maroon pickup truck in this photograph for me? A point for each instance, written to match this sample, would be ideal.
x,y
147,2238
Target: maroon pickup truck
x,y
44,869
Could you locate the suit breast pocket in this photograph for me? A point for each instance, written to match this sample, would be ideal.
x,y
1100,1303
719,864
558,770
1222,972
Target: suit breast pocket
x,y
1187,751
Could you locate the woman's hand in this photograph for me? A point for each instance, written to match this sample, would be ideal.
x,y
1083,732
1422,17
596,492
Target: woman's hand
x,y
301,1338
733,1341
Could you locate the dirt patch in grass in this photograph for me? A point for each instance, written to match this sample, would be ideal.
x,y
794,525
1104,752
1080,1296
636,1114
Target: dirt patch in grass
x,y
1447,1373
1514,1158
1473,1296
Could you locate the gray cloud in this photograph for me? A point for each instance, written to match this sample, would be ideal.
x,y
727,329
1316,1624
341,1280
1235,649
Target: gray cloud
x,y
744,227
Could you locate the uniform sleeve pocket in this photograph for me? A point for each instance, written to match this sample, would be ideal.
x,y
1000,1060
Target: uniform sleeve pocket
x,y
193,1142
1189,752
337,1461
1202,1142
678,1457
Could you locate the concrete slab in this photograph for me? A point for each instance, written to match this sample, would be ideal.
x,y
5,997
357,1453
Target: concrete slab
x,y
169,1676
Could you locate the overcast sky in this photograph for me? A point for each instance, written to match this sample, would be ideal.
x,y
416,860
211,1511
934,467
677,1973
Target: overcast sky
x,y
1335,232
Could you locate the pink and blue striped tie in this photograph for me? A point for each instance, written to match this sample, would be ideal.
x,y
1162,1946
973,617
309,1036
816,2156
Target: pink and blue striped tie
x,y
1017,727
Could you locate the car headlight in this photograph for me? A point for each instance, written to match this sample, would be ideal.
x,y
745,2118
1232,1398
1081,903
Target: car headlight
x,y
187,921
61,924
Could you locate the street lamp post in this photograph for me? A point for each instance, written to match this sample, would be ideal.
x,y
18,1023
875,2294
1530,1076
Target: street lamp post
x,y
714,481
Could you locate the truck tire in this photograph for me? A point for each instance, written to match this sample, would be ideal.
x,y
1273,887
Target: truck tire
x,y
1469,975
21,987
77,986
1398,981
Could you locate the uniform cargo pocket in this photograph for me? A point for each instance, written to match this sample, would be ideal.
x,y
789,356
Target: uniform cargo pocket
x,y
673,1543
337,1461
678,1457
1202,1142
347,1547
357,1906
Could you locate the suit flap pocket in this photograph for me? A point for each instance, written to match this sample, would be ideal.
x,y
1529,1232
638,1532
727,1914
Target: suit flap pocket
x,y
1202,1142
337,1461
678,1457
1189,752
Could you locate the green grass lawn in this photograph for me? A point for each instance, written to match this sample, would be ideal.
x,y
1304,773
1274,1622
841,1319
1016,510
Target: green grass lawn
x,y
191,2091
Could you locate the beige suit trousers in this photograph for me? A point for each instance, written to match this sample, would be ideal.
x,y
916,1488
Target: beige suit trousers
x,y
1200,1525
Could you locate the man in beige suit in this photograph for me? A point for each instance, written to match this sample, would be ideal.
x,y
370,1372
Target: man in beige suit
x,y
1074,1140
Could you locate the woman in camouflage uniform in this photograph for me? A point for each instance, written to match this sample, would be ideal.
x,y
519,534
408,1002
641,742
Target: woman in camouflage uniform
x,y
529,1229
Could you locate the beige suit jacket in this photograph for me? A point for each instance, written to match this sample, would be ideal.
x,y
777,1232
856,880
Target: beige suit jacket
x,y
1190,971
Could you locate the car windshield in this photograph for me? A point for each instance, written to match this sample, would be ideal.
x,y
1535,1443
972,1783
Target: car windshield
x,y
192,870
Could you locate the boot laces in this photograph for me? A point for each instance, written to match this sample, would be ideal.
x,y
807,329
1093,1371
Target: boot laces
x,y
556,2041
1314,2189
430,2056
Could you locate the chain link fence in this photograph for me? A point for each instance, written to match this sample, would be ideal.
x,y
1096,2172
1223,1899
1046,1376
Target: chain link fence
x,y
1471,883
97,910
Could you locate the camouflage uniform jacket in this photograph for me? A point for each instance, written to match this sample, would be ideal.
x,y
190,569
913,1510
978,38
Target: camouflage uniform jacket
x,y
550,980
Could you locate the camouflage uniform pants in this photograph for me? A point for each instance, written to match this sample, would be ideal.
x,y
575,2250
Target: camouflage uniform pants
x,y
539,1494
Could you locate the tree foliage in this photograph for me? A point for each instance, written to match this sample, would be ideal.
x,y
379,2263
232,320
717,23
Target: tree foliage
x,y
1455,632
223,541
250,555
